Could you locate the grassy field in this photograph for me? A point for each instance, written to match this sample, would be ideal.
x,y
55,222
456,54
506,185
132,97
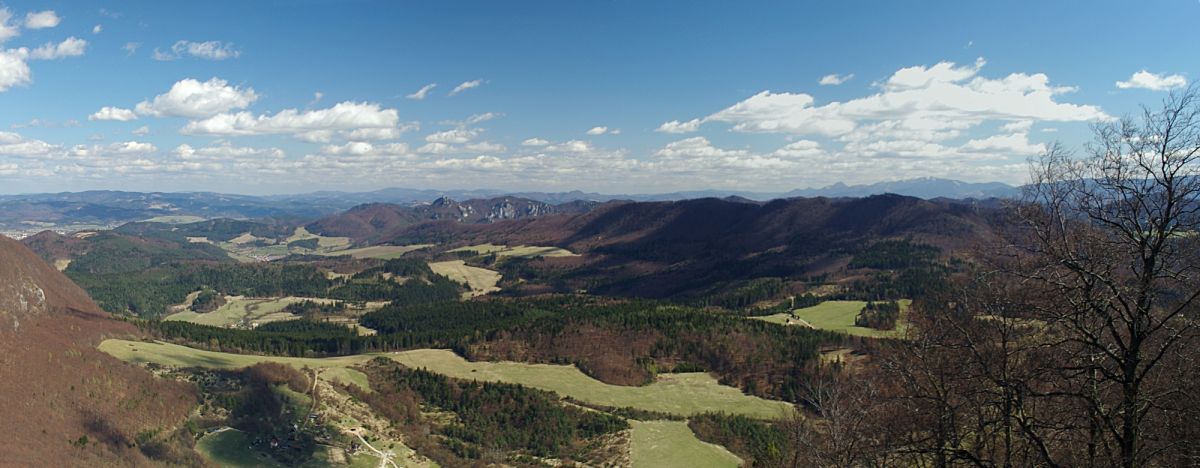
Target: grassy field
x,y
324,244
167,354
242,249
231,447
242,311
181,219
480,280
384,252
681,394
672,443
517,251
838,316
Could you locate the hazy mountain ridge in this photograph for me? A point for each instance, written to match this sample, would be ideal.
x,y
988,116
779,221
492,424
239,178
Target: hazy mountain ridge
x,y
76,210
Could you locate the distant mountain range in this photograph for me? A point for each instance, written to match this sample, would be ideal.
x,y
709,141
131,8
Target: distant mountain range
x,y
925,187
79,210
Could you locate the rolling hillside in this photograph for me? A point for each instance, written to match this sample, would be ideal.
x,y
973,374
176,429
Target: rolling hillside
x,y
65,403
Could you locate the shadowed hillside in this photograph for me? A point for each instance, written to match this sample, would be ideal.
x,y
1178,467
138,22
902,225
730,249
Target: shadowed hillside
x,y
665,249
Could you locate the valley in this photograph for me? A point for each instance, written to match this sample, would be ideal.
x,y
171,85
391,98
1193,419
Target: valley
x,y
497,303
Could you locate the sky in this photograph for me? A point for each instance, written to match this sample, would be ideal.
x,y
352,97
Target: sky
x,y
264,97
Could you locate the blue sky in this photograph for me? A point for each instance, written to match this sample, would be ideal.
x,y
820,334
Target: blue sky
x,y
614,96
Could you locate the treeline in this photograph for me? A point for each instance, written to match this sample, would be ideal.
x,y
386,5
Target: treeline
x,y
878,315
148,292
506,416
286,338
894,255
623,342
759,443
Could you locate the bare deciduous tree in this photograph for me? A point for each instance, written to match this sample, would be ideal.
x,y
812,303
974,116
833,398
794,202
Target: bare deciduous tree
x,y
1111,241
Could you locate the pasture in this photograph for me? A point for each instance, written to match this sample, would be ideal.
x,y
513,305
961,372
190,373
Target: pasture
x,y
167,354
520,251
242,312
174,219
838,316
672,444
480,280
680,394
324,244
383,252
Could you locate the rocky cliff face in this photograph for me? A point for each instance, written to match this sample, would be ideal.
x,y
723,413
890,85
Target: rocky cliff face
x,y
30,288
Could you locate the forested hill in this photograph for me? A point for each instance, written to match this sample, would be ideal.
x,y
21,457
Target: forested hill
x,y
664,249
374,221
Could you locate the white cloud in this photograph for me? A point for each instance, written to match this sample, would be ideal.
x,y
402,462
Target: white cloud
x,y
70,47
353,147
465,86
14,71
12,144
602,130
97,29
1153,81
131,48
676,126
209,50
1018,126
390,133
436,148
535,142
195,99
485,147
421,93
343,116
8,30
141,131
454,136
939,101
113,113
835,79
42,20
484,117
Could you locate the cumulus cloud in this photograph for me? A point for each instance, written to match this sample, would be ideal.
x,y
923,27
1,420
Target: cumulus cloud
x,y
602,130
454,136
345,116
97,29
70,47
465,86
1153,81
14,68
8,30
208,50
13,144
141,131
113,113
421,93
131,48
835,79
535,142
676,126
944,96
14,71
194,99
42,19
